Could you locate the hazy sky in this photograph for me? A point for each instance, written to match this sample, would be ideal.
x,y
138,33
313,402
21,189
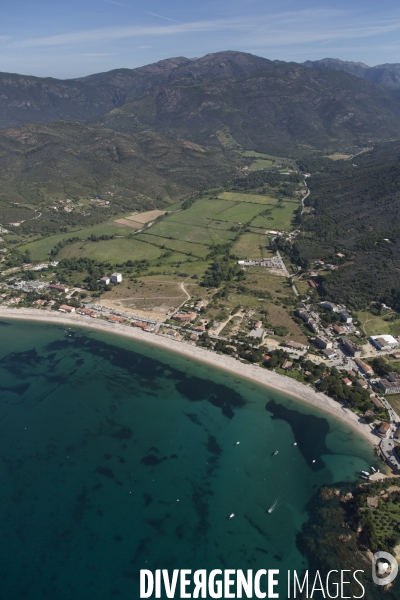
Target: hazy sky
x,y
78,37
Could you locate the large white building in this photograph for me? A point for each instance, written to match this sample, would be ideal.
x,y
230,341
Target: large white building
x,y
383,342
116,278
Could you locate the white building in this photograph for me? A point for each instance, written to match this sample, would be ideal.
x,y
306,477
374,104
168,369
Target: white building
x,y
116,278
105,280
329,306
344,315
383,342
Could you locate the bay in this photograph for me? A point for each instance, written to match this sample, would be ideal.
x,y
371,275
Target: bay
x,y
117,456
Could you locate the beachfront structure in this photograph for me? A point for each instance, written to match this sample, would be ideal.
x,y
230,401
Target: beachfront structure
x,y
376,402
383,342
384,430
116,278
113,319
351,347
345,316
184,317
65,308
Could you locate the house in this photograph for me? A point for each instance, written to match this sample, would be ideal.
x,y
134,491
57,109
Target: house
x,y
66,308
346,381
201,328
171,333
294,345
104,280
40,302
367,369
383,342
345,316
312,284
351,347
396,355
337,329
142,326
59,288
184,317
194,337
362,383
199,305
287,365
15,300
266,358
113,319
376,402
116,278
258,325
322,342
384,430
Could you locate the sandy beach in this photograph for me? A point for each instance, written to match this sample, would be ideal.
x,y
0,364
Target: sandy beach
x,y
254,373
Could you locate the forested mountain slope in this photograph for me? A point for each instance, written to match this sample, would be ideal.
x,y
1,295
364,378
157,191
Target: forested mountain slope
x,y
357,212
387,75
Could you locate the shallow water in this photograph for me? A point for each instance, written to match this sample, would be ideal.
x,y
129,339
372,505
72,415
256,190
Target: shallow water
x,y
117,455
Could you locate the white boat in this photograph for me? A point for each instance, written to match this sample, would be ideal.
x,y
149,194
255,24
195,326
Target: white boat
x,y
275,453
273,505
373,469
314,460
231,515
365,473
237,443
365,476
295,444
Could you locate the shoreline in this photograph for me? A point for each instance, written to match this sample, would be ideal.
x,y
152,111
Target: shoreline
x,y
254,373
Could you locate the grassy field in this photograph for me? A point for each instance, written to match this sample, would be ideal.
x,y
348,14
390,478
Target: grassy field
x,y
253,198
40,250
115,250
189,248
241,213
260,163
394,401
375,325
251,245
281,218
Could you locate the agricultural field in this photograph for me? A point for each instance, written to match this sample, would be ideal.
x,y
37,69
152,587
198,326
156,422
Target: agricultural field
x,y
114,251
251,245
260,163
253,198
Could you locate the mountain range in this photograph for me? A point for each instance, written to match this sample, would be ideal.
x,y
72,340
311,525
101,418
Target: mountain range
x,y
387,75
269,106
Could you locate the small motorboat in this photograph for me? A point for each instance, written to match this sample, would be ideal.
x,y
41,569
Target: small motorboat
x,y
273,506
365,473
295,444
275,453
231,515
373,469
314,461
237,443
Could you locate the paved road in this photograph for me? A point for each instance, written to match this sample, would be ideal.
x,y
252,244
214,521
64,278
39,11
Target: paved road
x,y
387,444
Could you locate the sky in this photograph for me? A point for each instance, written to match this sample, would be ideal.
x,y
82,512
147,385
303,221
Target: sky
x,y
73,38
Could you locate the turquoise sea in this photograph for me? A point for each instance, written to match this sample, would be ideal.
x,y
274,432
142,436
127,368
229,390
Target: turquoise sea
x,y
117,456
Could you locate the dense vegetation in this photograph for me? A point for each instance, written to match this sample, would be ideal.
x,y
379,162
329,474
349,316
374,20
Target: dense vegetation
x,y
357,213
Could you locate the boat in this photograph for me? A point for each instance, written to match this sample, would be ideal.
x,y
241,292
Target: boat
x,y
237,443
273,505
364,476
295,444
373,469
231,515
314,461
365,473
275,453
